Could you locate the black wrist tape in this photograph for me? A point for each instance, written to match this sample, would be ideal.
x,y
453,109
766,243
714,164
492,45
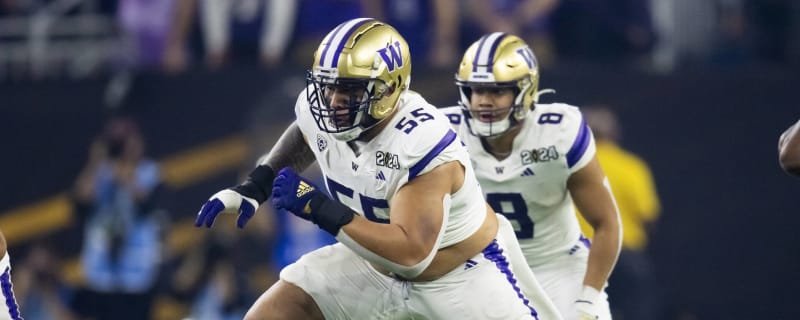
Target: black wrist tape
x,y
328,214
258,184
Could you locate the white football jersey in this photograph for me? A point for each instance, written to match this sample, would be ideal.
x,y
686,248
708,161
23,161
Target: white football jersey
x,y
529,187
417,139
9,309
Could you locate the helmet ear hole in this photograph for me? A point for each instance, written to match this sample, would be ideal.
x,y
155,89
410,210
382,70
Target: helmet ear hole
x,y
400,80
389,91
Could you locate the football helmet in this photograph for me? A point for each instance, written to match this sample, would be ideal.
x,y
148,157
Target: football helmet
x,y
498,60
367,62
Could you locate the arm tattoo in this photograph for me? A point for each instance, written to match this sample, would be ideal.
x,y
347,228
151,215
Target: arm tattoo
x,y
291,150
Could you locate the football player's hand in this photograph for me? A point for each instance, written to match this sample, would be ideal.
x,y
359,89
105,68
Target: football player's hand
x,y
226,201
299,196
293,193
242,199
585,304
586,310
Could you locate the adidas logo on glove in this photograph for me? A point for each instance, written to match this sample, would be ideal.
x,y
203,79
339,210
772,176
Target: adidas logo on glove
x,y
303,188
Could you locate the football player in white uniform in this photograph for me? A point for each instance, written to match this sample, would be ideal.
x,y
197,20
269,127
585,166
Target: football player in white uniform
x,y
533,162
8,308
417,240
789,149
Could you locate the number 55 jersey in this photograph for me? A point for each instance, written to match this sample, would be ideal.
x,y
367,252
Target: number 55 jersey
x,y
529,186
365,176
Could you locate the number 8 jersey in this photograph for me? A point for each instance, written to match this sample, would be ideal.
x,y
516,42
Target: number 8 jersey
x,y
529,186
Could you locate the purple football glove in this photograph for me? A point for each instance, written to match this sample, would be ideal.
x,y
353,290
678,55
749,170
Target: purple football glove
x,y
243,199
226,201
293,193
299,196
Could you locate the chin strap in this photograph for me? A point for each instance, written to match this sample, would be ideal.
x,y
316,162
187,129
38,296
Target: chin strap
x,y
543,92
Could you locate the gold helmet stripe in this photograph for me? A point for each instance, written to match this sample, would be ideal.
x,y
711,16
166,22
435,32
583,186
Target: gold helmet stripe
x,y
336,39
485,53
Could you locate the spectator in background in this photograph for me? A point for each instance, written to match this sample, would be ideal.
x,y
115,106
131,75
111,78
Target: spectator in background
x,y
146,26
232,29
605,30
224,20
773,27
225,295
529,19
789,149
229,24
690,31
632,288
430,26
327,14
9,309
39,286
176,54
121,254
9,7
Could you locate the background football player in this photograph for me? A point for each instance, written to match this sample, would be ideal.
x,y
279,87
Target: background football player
x,y
533,162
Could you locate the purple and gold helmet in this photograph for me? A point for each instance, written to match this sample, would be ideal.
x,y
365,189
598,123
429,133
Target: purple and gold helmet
x,y
499,60
371,60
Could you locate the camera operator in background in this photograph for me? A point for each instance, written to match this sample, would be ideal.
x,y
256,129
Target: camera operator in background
x,y
115,196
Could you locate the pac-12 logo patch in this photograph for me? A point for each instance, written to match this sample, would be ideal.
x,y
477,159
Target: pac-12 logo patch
x,y
321,142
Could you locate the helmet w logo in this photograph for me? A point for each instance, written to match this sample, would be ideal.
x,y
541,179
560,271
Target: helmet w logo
x,y
394,58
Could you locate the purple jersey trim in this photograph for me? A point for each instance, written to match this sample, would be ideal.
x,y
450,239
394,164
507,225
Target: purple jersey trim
x,y
586,242
446,141
11,303
494,253
579,146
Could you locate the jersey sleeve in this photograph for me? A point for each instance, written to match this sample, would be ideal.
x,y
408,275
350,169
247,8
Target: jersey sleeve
x,y
432,144
578,140
437,154
454,115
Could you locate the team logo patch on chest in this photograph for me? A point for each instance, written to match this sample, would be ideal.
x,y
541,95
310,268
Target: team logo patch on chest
x,y
539,155
321,142
387,159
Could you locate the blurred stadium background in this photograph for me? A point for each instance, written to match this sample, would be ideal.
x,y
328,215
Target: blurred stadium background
x,y
703,89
